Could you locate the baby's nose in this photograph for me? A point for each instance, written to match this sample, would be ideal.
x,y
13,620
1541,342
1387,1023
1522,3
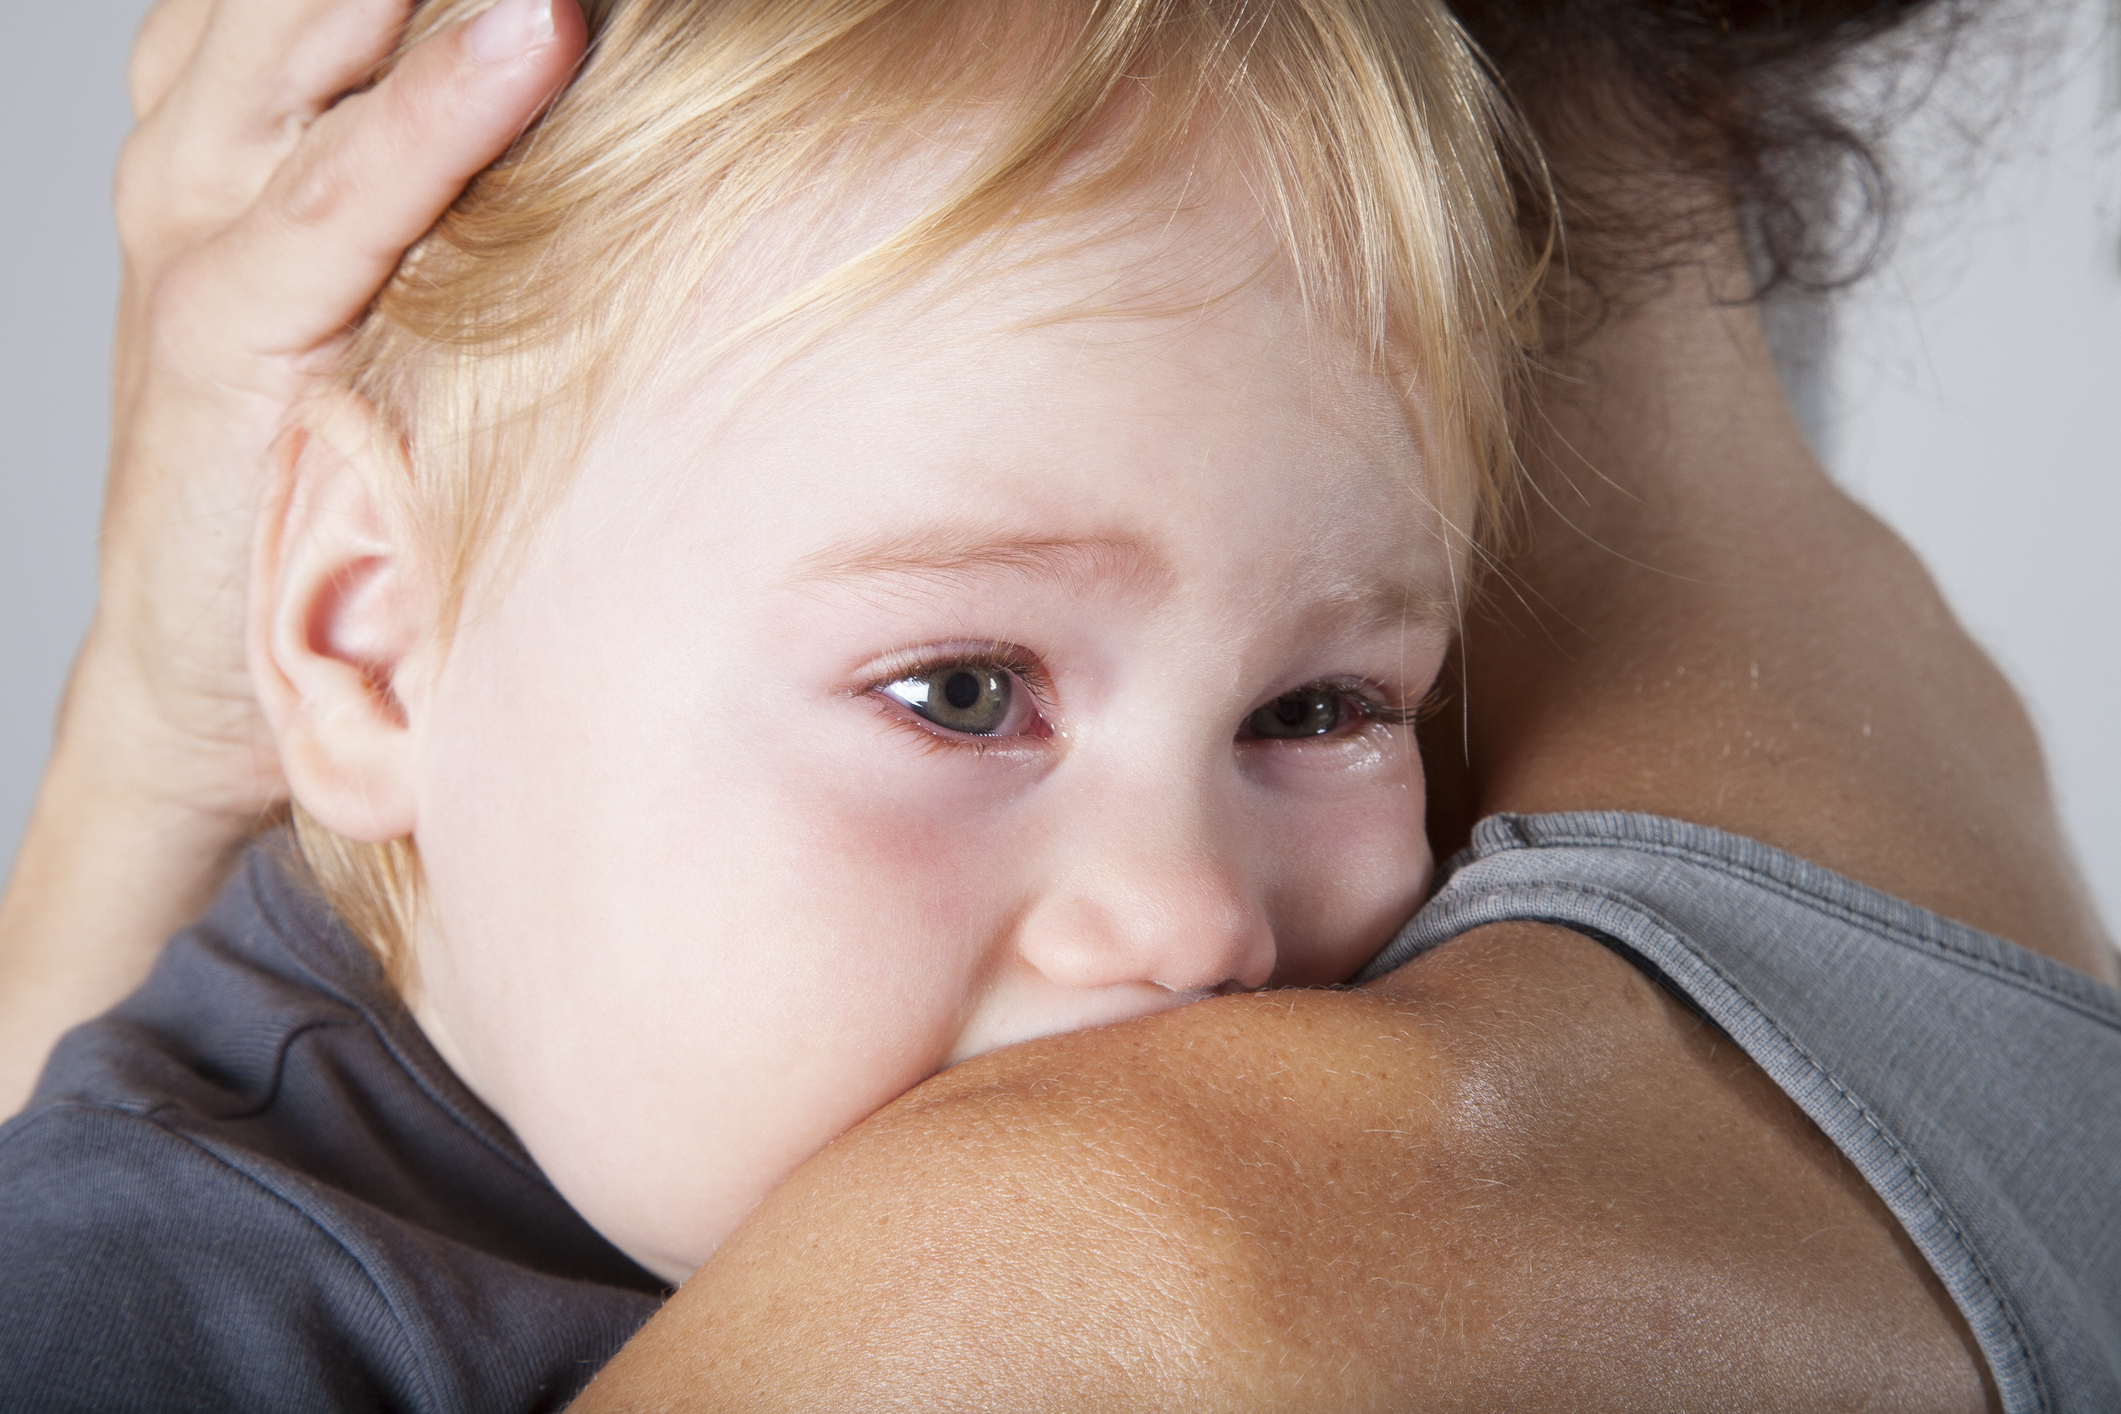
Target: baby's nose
x,y
1182,920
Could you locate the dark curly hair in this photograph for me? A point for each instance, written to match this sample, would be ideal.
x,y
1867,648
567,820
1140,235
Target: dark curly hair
x,y
1742,91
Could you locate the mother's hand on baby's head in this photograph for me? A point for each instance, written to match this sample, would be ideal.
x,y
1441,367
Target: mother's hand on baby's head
x,y
267,192
262,199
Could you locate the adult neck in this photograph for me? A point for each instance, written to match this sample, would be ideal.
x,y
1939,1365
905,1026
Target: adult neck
x,y
1666,381
1695,622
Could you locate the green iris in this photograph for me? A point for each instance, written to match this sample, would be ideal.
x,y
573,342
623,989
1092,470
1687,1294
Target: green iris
x,y
962,698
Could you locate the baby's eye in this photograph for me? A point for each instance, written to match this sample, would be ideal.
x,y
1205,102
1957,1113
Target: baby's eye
x,y
1315,710
1320,709
961,697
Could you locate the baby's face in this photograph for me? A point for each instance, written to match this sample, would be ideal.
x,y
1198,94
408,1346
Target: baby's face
x,y
971,680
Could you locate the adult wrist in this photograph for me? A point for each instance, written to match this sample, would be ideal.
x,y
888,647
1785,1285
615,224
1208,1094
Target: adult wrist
x,y
118,853
188,757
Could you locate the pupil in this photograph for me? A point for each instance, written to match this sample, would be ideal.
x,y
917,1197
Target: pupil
x,y
1292,710
961,691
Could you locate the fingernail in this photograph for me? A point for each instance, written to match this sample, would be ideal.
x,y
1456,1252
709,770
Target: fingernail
x,y
510,28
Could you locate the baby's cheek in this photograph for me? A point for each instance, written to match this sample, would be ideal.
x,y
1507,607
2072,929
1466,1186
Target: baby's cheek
x,y
933,869
764,974
1356,867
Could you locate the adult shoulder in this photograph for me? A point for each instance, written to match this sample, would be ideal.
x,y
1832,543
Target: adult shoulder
x,y
1516,1174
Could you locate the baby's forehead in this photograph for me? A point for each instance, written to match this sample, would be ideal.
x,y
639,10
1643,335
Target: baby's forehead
x,y
1032,382
1178,278
1080,384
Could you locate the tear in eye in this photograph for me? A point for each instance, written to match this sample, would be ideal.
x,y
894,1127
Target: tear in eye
x,y
961,698
1308,711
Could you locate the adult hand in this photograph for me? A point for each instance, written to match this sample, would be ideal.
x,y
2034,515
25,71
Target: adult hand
x,y
264,197
260,205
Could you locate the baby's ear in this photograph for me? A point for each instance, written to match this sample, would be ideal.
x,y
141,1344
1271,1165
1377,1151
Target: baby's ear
x,y
339,633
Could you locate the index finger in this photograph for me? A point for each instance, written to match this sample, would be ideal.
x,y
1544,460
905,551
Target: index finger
x,y
378,170
262,64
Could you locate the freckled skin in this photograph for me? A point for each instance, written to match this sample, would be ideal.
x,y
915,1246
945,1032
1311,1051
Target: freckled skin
x,y
702,896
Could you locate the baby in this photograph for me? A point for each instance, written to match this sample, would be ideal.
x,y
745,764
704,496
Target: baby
x,y
880,531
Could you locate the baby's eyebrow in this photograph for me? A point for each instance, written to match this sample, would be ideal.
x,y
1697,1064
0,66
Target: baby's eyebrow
x,y
1387,602
941,553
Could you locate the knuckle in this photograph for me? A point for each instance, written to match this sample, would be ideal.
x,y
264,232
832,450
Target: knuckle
x,y
151,184
309,190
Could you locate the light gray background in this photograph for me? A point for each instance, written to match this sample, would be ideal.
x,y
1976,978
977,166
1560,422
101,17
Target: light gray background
x,y
62,115
1970,393
1974,395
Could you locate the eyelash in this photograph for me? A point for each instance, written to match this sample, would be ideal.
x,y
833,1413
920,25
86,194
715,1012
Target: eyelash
x,y
1362,696
1365,696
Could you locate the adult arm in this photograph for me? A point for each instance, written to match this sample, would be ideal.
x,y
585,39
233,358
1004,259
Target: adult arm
x,y
1517,1177
258,211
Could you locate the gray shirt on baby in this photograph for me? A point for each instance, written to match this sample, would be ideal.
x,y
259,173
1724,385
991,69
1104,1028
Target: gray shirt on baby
x,y
255,1186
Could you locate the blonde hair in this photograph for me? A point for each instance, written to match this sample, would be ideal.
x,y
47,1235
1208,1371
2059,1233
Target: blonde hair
x,y
1374,143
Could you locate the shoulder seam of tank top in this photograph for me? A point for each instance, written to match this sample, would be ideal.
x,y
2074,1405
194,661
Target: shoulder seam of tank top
x,y
1800,881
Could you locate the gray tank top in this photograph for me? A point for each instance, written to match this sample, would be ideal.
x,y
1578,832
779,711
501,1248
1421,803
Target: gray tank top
x,y
1975,1085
